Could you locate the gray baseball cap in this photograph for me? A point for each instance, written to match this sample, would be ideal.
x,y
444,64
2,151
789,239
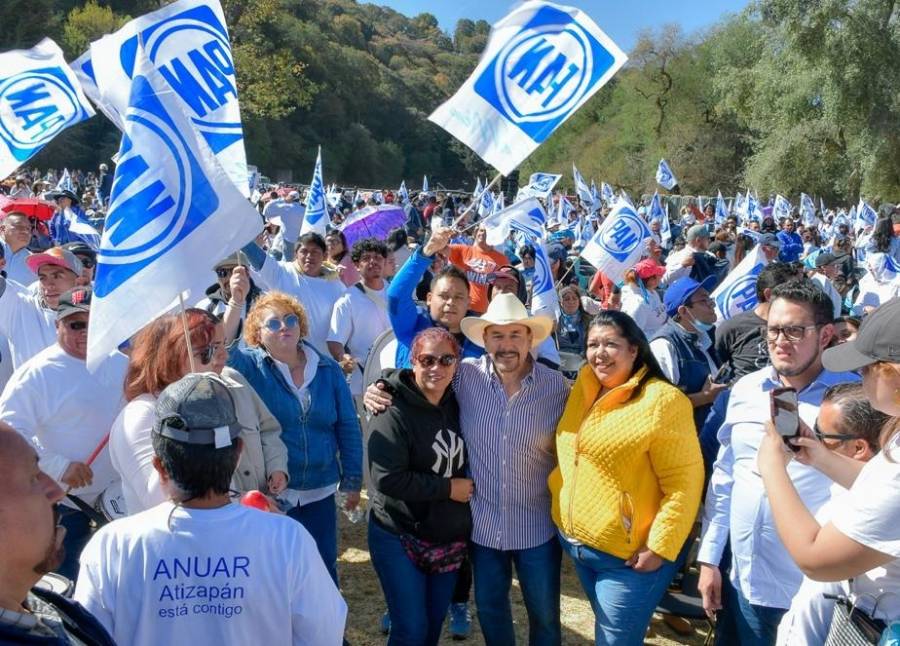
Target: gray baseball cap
x,y
197,409
878,340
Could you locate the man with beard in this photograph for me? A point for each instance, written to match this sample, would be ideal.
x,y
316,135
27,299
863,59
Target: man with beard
x,y
764,578
32,547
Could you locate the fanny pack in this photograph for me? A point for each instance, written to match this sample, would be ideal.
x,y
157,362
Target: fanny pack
x,y
434,558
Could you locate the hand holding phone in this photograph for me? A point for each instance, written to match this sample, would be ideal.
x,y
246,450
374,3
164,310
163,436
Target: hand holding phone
x,y
785,413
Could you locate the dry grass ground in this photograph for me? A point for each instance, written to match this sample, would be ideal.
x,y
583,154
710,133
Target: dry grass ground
x,y
363,594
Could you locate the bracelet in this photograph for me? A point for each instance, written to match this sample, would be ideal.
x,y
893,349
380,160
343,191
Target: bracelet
x,y
232,303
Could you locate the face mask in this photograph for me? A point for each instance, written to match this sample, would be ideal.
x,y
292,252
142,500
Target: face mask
x,y
700,325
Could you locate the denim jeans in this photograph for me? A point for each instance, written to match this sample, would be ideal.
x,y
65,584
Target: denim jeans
x,y
320,520
417,602
78,532
537,569
623,600
743,623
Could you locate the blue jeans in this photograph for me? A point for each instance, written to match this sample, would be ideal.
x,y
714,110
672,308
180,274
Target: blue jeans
x,y
537,569
623,600
743,623
320,520
417,602
78,532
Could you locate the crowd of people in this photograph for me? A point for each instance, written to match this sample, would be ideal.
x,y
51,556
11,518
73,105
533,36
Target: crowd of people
x,y
635,431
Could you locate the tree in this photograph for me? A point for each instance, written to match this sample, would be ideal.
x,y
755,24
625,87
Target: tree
x,y
87,24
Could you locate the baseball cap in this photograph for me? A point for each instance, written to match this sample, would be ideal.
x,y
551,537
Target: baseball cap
x,y
80,249
648,268
697,231
197,409
55,256
294,195
235,259
825,258
717,246
878,340
504,273
556,251
681,290
769,240
77,299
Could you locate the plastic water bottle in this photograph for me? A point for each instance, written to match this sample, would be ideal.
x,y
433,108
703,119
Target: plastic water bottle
x,y
354,515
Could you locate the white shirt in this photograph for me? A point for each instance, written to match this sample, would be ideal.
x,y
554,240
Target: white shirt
x,y
650,315
822,281
27,323
277,210
53,401
870,514
232,575
357,321
667,358
131,452
317,295
736,503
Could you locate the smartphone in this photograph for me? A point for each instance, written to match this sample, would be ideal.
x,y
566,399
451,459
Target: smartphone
x,y
785,414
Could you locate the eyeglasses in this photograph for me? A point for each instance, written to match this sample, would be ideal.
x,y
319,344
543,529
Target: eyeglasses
x,y
836,438
791,332
701,301
429,360
290,321
224,272
77,326
87,263
206,355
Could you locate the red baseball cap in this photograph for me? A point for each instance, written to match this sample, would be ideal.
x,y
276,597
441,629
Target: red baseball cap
x,y
647,268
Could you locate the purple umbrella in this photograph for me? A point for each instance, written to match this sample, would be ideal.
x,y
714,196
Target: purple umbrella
x,y
373,222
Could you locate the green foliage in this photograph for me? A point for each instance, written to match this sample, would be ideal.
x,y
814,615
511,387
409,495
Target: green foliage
x,y
87,24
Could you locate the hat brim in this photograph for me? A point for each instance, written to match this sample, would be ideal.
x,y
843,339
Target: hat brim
x,y
707,283
37,260
845,358
473,327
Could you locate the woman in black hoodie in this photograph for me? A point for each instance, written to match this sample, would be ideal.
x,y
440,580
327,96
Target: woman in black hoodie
x,y
420,519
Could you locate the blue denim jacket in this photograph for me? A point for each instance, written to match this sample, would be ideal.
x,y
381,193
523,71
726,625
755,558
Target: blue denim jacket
x,y
325,444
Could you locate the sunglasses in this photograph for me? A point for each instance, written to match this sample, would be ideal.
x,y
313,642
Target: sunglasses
x,y
87,263
290,322
224,272
77,326
830,438
206,355
429,360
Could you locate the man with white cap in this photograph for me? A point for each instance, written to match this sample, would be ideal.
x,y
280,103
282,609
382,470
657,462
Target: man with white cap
x,y
198,568
288,214
509,408
66,411
29,320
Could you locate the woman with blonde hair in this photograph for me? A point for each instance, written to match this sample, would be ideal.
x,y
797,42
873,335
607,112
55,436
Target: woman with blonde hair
x,y
307,394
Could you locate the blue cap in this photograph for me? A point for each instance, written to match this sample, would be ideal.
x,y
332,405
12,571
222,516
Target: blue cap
x,y
681,290
556,251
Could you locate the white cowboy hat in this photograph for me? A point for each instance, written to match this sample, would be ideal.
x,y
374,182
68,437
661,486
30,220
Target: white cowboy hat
x,y
506,309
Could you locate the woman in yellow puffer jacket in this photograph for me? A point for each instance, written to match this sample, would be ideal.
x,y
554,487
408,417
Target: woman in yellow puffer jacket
x,y
627,488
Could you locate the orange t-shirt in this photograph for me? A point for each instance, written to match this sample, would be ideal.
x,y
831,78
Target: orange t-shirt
x,y
478,265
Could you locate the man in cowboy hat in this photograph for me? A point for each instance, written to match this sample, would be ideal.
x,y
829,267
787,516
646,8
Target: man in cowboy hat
x,y
509,408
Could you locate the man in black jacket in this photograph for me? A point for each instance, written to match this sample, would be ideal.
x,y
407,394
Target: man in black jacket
x,y
32,547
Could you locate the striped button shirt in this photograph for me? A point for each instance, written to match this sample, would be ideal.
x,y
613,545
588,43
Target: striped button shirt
x,y
510,442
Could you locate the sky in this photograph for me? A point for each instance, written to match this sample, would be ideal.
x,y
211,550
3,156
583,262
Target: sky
x,y
620,20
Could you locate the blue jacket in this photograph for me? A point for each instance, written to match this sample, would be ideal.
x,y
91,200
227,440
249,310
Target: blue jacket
x,y
407,318
324,445
791,246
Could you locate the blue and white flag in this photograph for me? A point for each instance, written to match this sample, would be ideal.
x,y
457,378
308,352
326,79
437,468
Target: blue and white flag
x,y
39,98
807,210
564,208
664,176
841,219
782,208
425,184
478,189
539,185
737,293
658,213
738,207
582,190
751,208
607,194
187,41
865,215
527,216
315,218
597,201
756,236
83,68
542,62
544,298
173,212
721,210
403,193
500,202
486,204
619,243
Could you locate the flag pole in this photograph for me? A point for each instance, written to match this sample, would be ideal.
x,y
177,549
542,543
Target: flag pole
x,y
475,201
187,333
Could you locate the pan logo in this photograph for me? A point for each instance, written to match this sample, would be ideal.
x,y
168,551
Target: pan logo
x,y
543,73
192,52
34,107
740,296
625,234
152,207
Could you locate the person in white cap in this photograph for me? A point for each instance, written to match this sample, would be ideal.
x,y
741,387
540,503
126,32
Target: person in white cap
x,y
509,408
